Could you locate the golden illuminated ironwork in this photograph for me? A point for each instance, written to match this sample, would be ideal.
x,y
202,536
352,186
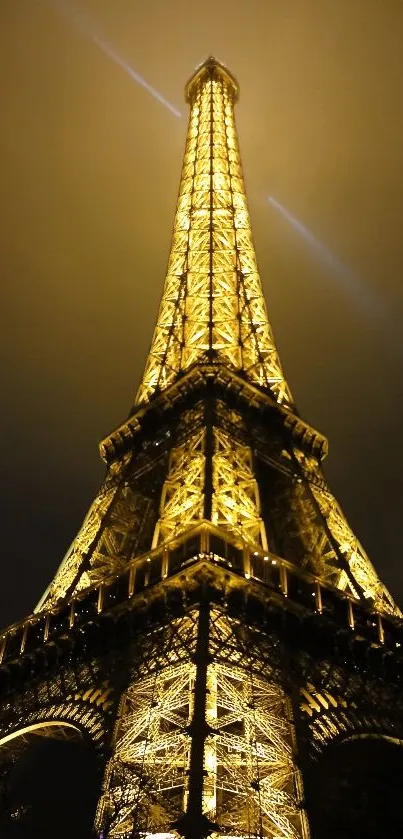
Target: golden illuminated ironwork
x,y
182,497
213,311
251,783
360,576
212,305
212,538
235,504
110,535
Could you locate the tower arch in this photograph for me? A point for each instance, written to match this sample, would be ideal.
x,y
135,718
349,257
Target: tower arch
x,y
47,768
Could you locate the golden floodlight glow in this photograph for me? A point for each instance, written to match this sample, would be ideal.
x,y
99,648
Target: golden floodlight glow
x,y
213,311
213,519
212,305
250,778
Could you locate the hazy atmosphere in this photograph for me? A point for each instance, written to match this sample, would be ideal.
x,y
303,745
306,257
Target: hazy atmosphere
x,y
93,124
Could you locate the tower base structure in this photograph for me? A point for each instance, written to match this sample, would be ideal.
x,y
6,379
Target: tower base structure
x,y
208,692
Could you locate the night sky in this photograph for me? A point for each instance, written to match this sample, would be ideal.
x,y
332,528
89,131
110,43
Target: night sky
x,y
90,166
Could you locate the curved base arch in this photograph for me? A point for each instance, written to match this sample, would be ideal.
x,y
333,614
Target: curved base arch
x,y
50,781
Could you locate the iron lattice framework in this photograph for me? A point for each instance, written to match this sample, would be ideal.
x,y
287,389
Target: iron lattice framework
x,y
212,305
212,544
212,314
250,783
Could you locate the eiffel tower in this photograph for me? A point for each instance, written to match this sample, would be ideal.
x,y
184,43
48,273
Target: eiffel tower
x,y
216,628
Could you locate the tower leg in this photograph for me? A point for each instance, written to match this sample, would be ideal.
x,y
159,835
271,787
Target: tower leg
x,y
194,824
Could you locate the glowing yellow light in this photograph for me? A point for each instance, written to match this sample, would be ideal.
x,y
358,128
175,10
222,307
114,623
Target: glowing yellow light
x,y
212,311
213,300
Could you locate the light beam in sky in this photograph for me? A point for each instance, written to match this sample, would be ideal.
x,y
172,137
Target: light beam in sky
x,y
364,297
86,27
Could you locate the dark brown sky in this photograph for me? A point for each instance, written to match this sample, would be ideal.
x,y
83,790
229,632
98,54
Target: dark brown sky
x,y
90,164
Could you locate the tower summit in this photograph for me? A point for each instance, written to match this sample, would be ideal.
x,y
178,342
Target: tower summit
x,y
212,307
215,624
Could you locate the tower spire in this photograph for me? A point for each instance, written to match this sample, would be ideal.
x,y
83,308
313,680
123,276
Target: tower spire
x,y
212,306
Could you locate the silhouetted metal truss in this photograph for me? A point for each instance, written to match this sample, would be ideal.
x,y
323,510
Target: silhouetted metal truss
x,y
215,623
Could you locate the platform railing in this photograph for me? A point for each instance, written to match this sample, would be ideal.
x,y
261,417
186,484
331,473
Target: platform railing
x,y
208,544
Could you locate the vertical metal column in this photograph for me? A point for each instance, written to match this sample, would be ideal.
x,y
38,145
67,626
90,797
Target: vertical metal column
x,y
209,452
194,824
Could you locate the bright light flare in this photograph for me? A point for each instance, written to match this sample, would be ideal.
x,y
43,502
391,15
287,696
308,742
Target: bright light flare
x,y
86,27
357,290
